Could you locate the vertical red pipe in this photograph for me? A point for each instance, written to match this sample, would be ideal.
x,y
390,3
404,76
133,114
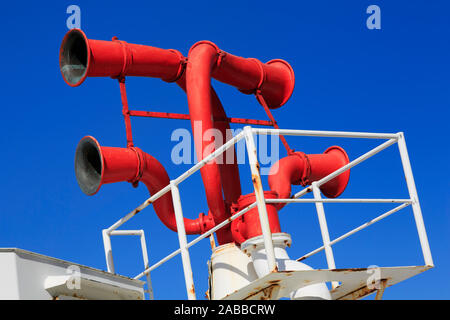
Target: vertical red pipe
x,y
229,171
273,80
201,60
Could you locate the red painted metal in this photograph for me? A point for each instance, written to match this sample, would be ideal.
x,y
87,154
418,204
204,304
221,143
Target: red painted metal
x,y
248,225
154,114
271,82
216,178
274,81
97,165
126,112
297,168
262,101
81,57
181,116
198,82
300,168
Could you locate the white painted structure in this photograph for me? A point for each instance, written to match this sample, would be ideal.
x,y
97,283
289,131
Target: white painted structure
x,y
27,275
256,249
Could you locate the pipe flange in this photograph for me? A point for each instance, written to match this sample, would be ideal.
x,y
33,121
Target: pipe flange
x,y
140,167
127,57
304,179
181,68
279,239
262,78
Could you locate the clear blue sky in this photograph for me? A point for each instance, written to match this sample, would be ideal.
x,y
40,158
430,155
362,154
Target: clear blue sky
x,y
347,78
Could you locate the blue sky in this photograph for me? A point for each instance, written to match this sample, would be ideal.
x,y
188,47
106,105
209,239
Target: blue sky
x,y
348,78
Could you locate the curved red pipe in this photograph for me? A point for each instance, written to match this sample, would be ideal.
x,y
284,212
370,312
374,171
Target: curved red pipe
x,y
155,178
81,57
300,168
275,81
229,172
283,174
201,60
132,165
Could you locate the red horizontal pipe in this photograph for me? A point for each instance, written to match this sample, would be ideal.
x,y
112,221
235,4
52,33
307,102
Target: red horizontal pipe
x,y
155,114
275,79
302,169
81,57
132,165
181,116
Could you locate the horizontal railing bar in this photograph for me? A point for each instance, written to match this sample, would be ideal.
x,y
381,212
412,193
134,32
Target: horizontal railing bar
x,y
332,134
125,232
361,227
302,192
203,236
339,200
144,205
358,160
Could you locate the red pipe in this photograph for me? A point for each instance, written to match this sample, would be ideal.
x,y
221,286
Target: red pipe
x,y
275,81
81,57
249,226
96,165
275,78
229,172
182,116
303,169
198,84
228,179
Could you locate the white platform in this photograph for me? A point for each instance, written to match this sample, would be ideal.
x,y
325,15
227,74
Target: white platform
x,y
353,282
32,276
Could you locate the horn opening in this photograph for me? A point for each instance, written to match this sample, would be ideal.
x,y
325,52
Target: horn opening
x,y
89,165
74,57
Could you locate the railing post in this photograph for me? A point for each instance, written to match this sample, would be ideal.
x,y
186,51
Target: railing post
x,y
146,265
415,200
324,231
183,241
260,201
108,251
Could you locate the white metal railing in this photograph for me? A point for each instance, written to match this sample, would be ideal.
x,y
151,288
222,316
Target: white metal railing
x,y
260,201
